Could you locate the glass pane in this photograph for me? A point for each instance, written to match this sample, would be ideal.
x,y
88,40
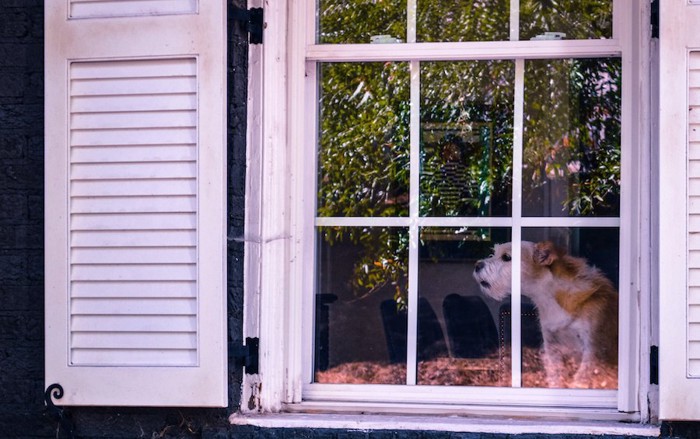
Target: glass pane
x,y
569,314
366,21
463,20
357,21
466,138
565,19
571,138
364,139
460,329
361,305
578,269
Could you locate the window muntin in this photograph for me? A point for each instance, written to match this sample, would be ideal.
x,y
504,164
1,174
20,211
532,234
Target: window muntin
x,y
517,223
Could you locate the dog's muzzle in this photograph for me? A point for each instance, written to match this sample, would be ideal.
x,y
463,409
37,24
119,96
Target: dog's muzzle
x,y
477,268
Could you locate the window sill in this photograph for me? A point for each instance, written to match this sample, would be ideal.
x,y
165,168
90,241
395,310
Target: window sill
x,y
445,423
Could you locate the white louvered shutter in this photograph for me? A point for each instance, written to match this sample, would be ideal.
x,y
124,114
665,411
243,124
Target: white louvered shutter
x,y
135,202
679,157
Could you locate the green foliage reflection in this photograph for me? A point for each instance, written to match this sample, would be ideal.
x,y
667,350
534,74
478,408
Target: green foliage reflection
x,y
571,137
571,151
364,140
466,138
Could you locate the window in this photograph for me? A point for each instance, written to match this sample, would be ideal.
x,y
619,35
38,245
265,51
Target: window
x,y
422,136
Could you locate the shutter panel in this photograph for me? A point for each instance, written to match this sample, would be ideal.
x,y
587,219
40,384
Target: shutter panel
x,y
135,202
134,323
679,186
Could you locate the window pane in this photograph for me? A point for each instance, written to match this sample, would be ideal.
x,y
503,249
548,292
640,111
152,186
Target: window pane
x,y
584,267
361,305
571,149
463,20
365,21
460,329
569,314
466,138
573,19
363,139
357,21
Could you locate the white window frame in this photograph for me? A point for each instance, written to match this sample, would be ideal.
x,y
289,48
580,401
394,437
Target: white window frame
x,y
281,199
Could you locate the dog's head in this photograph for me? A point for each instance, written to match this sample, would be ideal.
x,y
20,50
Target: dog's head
x,y
493,274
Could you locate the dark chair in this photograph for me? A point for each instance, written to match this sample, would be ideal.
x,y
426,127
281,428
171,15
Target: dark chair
x,y
531,334
470,326
431,339
322,335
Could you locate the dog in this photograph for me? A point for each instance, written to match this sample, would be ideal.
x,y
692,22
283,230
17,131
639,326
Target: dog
x,y
576,303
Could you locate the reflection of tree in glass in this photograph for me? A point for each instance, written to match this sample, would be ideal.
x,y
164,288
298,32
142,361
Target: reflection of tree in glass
x,y
381,263
572,136
462,20
364,140
467,106
572,118
364,165
576,18
355,21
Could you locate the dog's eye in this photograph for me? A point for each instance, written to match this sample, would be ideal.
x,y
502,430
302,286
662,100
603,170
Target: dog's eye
x,y
505,257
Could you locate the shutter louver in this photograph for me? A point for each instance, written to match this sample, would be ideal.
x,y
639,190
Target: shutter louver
x,y
135,321
135,202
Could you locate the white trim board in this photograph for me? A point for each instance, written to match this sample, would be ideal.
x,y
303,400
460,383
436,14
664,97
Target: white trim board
x,y
443,423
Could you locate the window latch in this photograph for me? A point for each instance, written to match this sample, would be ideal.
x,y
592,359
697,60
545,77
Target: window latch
x,y
252,19
246,355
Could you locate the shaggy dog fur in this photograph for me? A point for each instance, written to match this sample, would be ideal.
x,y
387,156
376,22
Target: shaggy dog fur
x,y
577,306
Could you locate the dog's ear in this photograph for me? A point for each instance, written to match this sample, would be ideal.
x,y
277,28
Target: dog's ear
x,y
570,301
545,253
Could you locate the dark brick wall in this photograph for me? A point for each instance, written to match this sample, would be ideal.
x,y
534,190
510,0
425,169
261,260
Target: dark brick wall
x,y
21,219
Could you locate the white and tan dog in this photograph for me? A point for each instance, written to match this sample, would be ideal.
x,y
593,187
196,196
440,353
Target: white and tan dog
x,y
577,306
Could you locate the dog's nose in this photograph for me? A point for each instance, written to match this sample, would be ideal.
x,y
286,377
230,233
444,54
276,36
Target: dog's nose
x,y
479,265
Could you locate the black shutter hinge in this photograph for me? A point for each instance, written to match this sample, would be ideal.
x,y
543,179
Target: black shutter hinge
x,y
253,21
246,355
655,18
654,365
58,414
